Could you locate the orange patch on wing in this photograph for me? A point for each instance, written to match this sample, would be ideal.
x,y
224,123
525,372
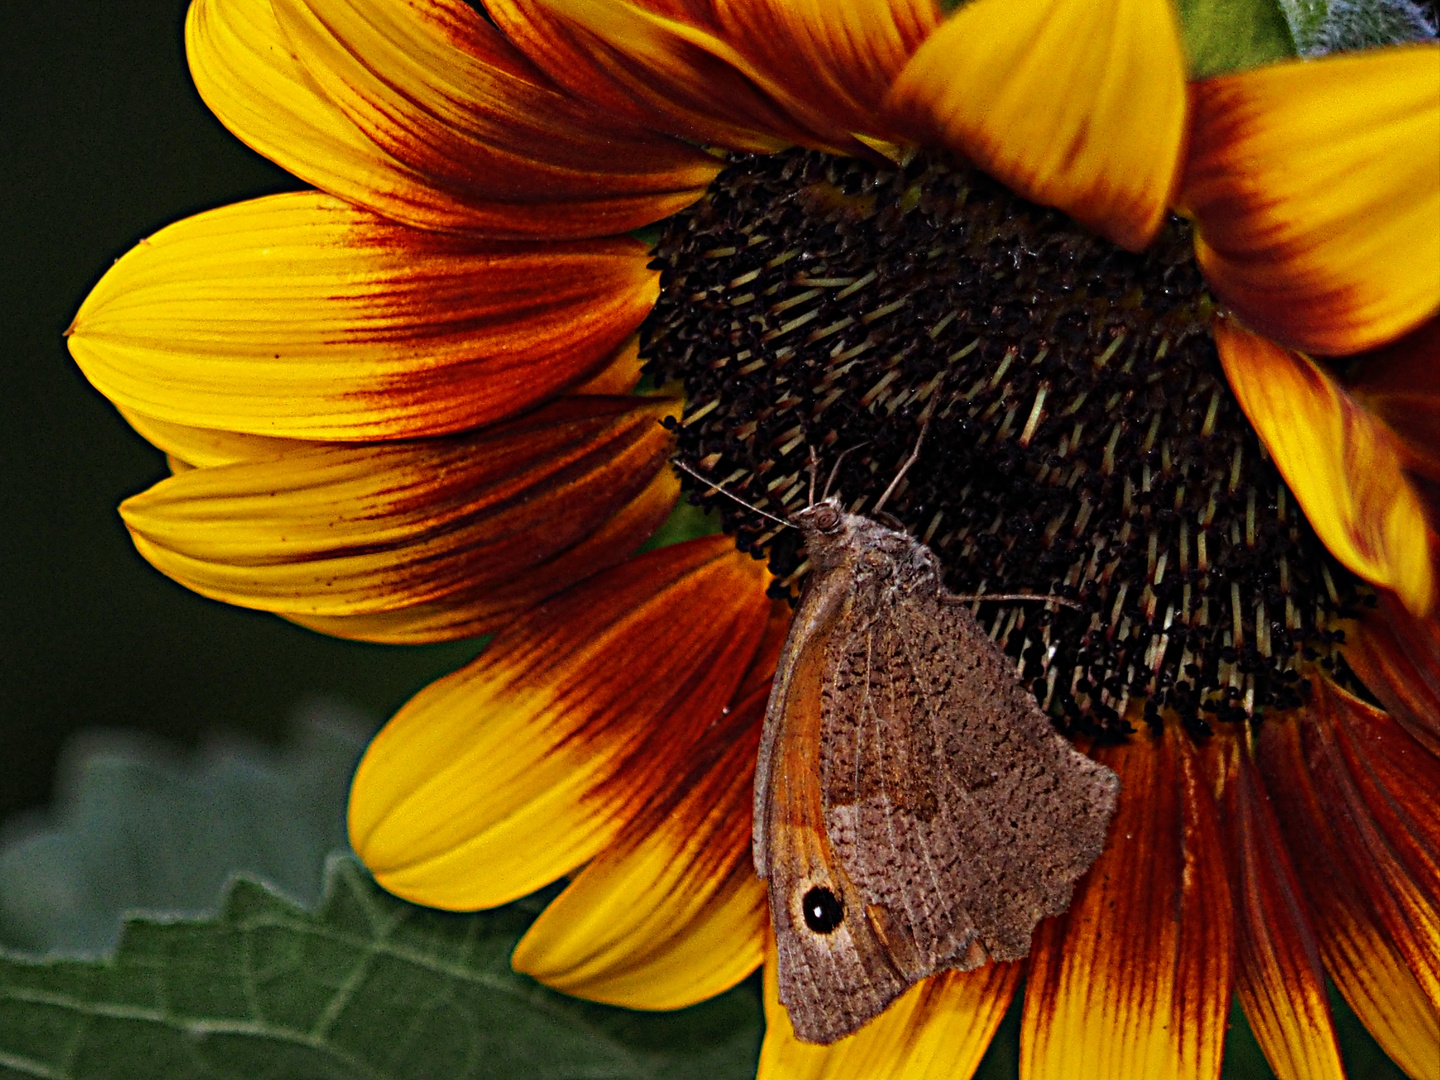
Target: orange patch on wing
x,y
1355,795
1136,978
301,316
941,1026
427,115
1279,977
1106,149
1315,188
530,761
672,913
1344,466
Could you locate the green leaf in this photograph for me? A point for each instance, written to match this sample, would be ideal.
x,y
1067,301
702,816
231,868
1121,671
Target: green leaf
x,y
1233,35
368,988
136,826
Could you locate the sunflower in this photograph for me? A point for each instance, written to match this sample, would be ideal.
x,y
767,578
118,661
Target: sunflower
x,y
1175,342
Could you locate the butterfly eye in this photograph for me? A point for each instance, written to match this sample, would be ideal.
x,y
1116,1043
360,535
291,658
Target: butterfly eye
x,y
827,518
823,910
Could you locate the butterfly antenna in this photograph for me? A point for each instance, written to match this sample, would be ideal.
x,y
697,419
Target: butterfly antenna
x,y
952,598
814,466
915,453
716,487
835,470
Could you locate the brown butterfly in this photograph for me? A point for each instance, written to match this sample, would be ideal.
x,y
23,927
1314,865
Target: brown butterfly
x,y
914,808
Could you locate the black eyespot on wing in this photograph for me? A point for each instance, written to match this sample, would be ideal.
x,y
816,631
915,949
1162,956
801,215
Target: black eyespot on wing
x,y
823,910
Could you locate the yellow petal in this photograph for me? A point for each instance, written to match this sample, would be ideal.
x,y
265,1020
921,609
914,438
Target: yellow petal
x,y
664,65
472,612
673,913
301,316
1136,978
1078,104
1400,383
433,119
1279,978
1315,186
534,758
940,1027
1344,466
1355,797
1397,656
346,529
840,56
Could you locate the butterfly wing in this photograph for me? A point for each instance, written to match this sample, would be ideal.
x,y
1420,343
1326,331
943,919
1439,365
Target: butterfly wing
x,y
833,978
958,813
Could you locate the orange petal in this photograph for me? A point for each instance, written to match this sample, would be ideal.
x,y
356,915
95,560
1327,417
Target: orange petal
x,y
1279,978
1136,978
300,316
1397,656
1315,186
663,65
1345,467
534,758
941,1026
342,529
673,913
1078,104
1400,383
839,56
427,115
1355,796
473,612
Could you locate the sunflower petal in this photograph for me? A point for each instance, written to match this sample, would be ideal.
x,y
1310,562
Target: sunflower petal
x,y
1106,150
1136,978
1315,186
1279,977
941,1026
840,56
473,612
1400,383
1397,656
1355,796
673,913
664,65
443,125
346,529
1344,466
530,761
300,316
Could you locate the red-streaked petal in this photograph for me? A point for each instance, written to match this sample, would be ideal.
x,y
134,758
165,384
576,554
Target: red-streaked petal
x,y
1136,978
840,56
1315,186
344,529
426,115
1400,383
673,913
662,65
301,316
1078,104
1279,977
1355,796
473,612
1344,466
531,760
940,1027
1397,656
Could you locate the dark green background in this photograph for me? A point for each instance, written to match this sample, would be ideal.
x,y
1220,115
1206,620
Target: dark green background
x,y
103,140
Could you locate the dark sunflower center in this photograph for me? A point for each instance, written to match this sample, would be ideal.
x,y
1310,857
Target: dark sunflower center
x,y
1082,440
